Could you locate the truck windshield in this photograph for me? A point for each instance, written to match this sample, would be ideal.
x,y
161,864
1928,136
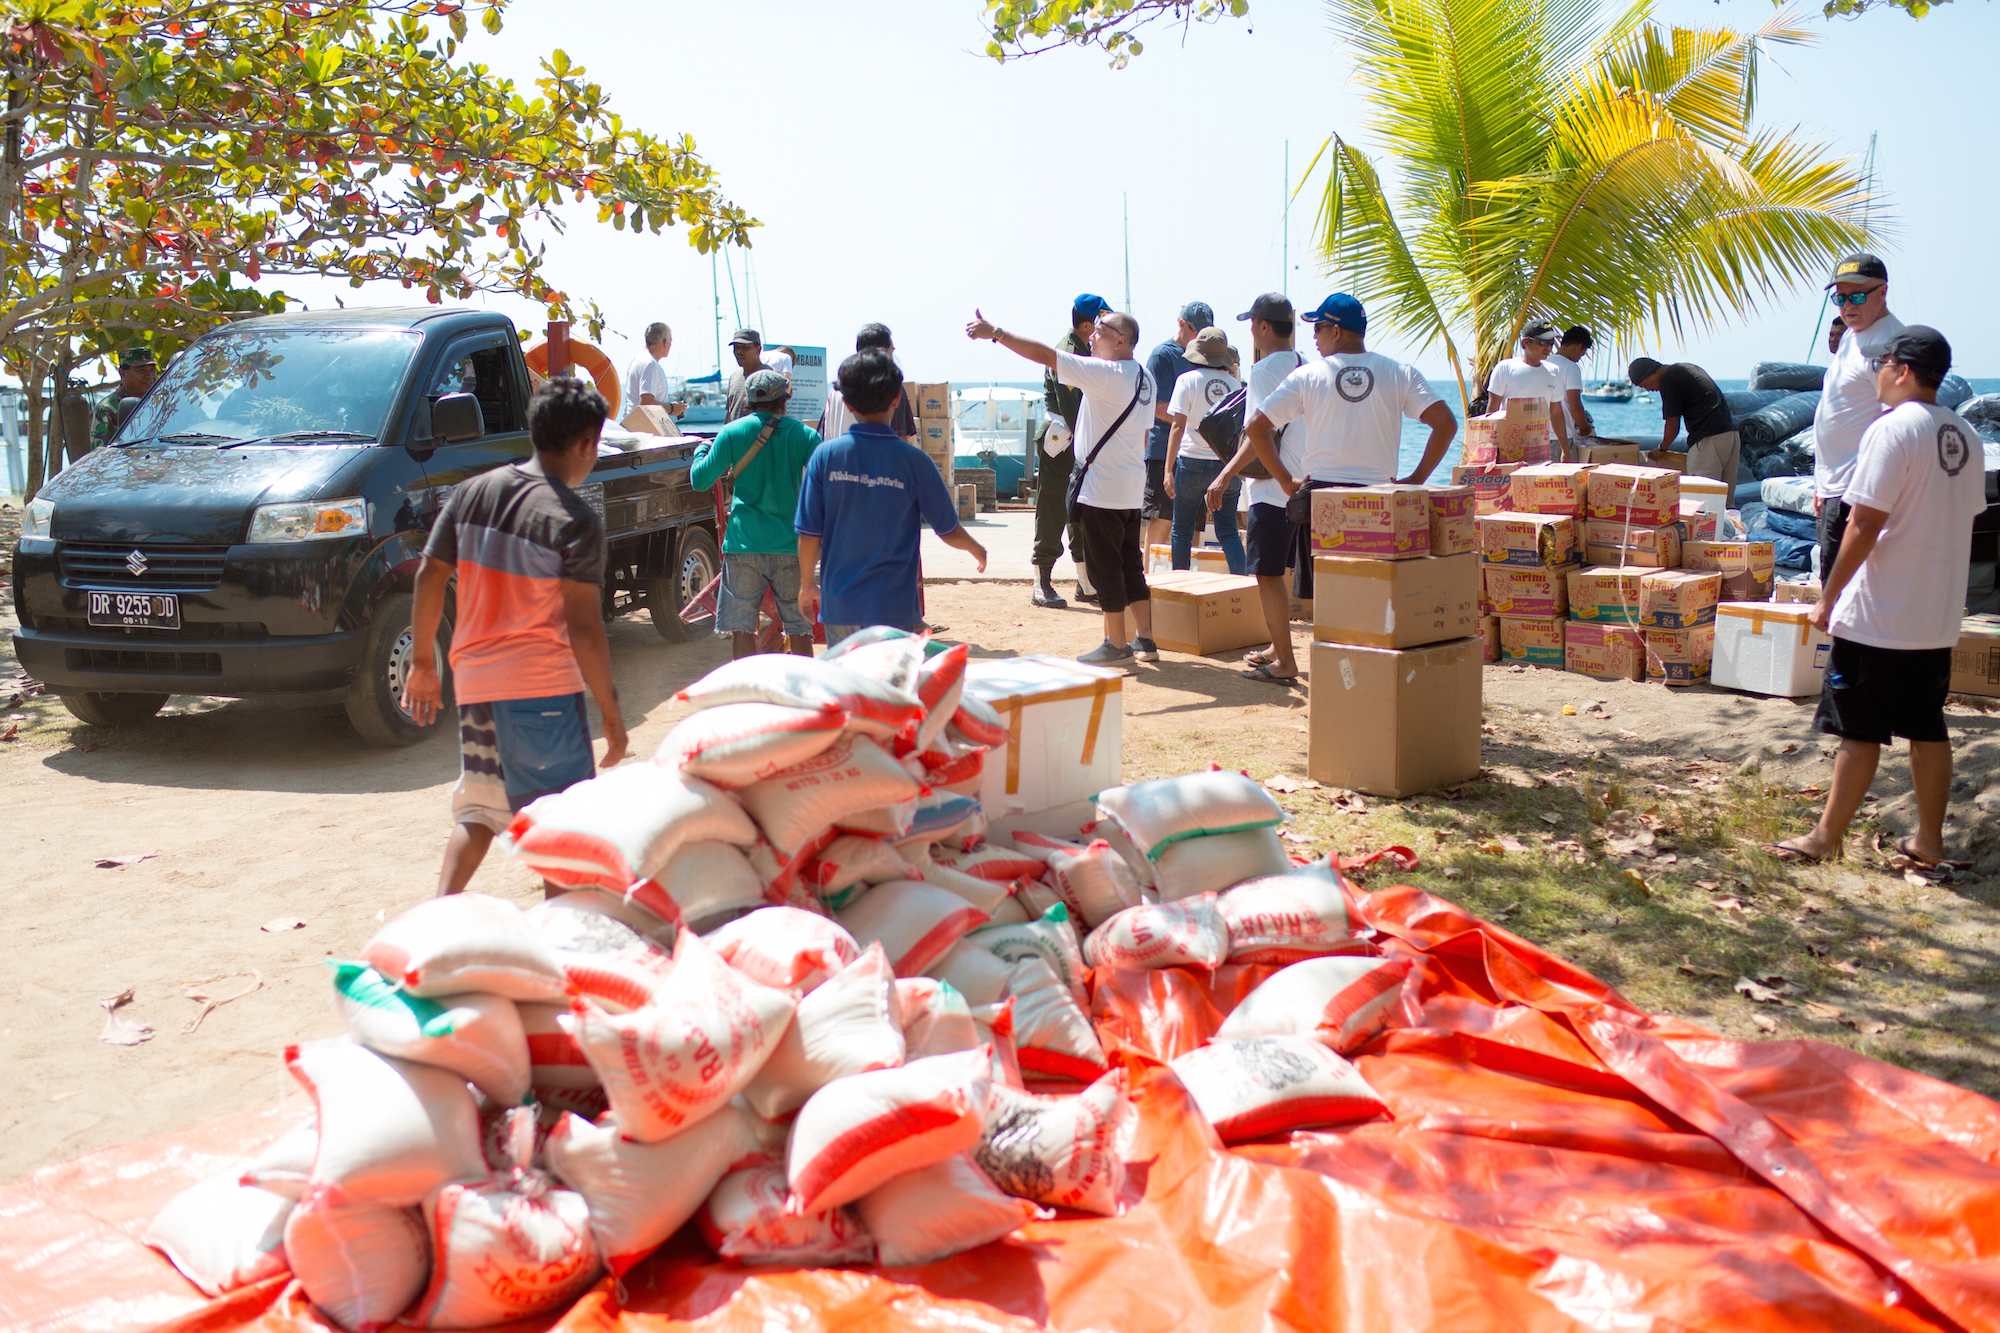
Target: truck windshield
x,y
301,386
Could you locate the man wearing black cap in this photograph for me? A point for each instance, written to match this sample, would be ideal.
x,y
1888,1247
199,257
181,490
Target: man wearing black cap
x,y
1052,514
1530,375
1686,391
1167,363
137,372
1859,290
1895,596
747,346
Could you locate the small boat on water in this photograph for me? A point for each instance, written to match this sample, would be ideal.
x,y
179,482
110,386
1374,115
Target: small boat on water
x,y
1609,391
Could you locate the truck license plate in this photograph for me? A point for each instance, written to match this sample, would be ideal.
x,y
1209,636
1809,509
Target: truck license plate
x,y
134,610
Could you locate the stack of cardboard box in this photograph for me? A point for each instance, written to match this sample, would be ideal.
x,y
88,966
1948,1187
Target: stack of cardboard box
x,y
932,403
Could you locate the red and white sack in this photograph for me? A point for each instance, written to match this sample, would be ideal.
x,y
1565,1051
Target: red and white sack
x,y
1091,877
892,656
477,1037
390,1131
1135,860
850,1024
286,1166
466,942
503,1251
1260,1086
846,785
701,885
1053,1036
706,1034
872,706
1342,1001
1049,937
361,1265
738,744
849,864
599,921
1305,913
937,1211
954,765
1037,899
975,972
786,947
940,685
640,1194
745,1220
1066,1152
222,1235
979,722
992,861
559,1074
621,982
623,826
988,895
1188,933
936,1018
915,922
940,815
857,1133
972,834
996,1026
1213,862
1160,813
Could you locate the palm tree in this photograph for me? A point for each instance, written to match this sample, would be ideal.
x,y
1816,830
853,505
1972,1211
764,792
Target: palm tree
x,y
1558,163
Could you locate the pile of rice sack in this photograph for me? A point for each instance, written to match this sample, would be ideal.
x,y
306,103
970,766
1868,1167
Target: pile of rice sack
x,y
795,997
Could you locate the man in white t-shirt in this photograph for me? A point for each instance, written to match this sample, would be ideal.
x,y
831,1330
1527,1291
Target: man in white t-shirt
x,y
1191,462
1109,444
646,380
1568,361
1859,291
1894,599
1531,375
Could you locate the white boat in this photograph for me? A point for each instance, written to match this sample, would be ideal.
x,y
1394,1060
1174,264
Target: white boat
x,y
996,426
1608,391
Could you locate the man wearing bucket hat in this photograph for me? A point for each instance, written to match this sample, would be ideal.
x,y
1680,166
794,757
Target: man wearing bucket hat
x,y
1859,290
1166,364
1533,375
1191,462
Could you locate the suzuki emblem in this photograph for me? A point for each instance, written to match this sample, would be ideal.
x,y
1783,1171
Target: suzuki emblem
x,y
136,562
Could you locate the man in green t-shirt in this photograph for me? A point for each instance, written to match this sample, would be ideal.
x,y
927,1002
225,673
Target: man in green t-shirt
x,y
764,455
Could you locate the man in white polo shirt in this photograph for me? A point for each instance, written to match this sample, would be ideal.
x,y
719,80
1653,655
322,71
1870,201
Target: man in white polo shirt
x,y
1533,375
1847,402
1110,451
1894,599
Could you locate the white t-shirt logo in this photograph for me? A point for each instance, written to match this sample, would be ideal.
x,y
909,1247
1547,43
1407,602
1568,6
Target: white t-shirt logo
x,y
1215,392
1953,449
1354,383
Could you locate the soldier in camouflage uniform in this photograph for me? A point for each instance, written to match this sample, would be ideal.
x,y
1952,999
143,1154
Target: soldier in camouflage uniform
x,y
137,372
1052,480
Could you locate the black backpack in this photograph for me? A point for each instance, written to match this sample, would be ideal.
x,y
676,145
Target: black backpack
x,y
1223,429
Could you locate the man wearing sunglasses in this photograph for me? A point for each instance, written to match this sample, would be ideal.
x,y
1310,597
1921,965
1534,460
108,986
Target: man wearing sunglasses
x,y
1530,375
1848,404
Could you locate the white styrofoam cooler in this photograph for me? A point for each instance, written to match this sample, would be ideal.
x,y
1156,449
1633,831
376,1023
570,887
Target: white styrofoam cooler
x,y
1066,732
1769,648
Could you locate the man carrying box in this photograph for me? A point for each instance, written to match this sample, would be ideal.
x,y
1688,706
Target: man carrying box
x,y
1895,597
1532,375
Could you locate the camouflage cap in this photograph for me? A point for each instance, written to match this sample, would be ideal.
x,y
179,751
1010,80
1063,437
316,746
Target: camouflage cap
x,y
139,354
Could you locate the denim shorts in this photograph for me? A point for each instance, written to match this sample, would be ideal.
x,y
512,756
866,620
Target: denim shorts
x,y
745,578
511,751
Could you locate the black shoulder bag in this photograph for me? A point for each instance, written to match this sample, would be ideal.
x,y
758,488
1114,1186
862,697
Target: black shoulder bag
x,y
1076,477
1223,429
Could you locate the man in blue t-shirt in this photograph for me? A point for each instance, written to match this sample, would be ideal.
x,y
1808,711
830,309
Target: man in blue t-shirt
x,y
859,507
1166,364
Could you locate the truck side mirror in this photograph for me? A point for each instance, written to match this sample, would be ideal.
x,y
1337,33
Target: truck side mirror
x,y
455,417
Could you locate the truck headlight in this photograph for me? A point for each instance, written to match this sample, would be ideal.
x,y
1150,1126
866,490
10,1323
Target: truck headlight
x,y
36,519
308,521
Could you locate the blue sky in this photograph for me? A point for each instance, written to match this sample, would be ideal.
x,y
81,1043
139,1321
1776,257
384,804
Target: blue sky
x,y
904,177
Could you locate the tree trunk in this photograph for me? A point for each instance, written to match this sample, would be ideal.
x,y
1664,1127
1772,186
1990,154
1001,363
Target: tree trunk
x,y
31,394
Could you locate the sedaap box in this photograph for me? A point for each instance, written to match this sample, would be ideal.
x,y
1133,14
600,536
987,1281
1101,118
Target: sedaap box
x,y
1769,648
1382,522
1394,722
1605,595
1454,530
1065,727
1518,433
1646,497
1678,598
1195,611
1535,640
1492,484
1975,662
1746,567
1551,488
1527,539
1608,652
1679,656
1698,522
1395,603
1515,590
1489,629
1619,544
931,400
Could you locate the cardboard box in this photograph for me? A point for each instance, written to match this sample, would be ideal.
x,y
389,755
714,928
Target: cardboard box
x,y
1767,648
1646,497
1065,723
1678,598
1698,522
968,502
1395,603
1489,630
1512,435
1806,591
1453,529
931,400
1527,539
1551,488
1535,640
1382,522
1492,484
1608,652
1394,722
1618,544
1605,595
1198,612
1630,455
1679,656
1975,662
1515,590
1668,459
1206,559
1712,494
934,435
1747,568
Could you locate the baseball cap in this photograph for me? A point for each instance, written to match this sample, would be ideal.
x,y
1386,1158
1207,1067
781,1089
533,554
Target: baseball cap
x,y
1209,348
1859,267
1540,331
746,338
1198,314
1642,368
1271,305
767,386
139,354
1921,347
1089,305
1340,310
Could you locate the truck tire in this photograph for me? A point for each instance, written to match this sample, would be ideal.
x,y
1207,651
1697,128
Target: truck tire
x,y
374,701
696,563
111,710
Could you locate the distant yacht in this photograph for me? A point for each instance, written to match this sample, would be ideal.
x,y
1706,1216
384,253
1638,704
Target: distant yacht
x,y
1609,391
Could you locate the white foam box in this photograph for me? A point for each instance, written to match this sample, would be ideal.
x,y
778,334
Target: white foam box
x,y
1208,559
1065,723
1769,648
1714,496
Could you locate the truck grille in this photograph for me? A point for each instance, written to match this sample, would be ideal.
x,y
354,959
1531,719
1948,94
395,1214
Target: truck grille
x,y
192,629
150,663
161,568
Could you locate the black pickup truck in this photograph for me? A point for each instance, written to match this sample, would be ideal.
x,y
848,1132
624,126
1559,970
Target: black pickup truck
x,y
254,528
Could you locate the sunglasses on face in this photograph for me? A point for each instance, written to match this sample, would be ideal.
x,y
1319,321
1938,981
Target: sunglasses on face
x,y
1851,298
1875,363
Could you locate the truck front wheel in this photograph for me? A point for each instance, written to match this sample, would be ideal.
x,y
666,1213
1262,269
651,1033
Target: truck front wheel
x,y
388,650
111,710
696,563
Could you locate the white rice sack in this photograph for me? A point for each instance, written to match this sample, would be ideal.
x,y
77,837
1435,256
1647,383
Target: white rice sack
x,y
745,1220
937,1211
703,1038
559,1073
738,744
390,1131
954,765
1188,933
785,947
936,1018
1049,937
857,1133
701,884
979,722
939,816
286,1166
1157,814
1212,862
996,1025
621,982
846,785
1260,1086
849,1025
1053,1036
1037,899
849,864
477,1037
503,1251
640,1194
975,972
895,657
466,942
1342,1001
623,826
872,706
1135,860
1305,913
361,1265
1004,864
1066,1152
915,922
988,895
972,834
598,921
940,685
222,1235
1091,877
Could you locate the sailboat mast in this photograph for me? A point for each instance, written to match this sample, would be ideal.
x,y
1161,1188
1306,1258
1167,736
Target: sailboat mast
x,y
1125,204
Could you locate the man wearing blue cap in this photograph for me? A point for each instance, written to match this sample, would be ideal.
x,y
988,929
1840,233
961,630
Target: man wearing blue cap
x,y
1053,467
1166,364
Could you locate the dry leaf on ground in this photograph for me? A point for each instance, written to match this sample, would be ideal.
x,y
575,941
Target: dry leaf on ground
x,y
113,862
1765,1022
206,993
1759,993
1868,1027
1818,1010
282,923
1551,817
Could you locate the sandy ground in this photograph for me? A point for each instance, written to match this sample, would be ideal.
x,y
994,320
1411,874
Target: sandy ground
x,y
250,817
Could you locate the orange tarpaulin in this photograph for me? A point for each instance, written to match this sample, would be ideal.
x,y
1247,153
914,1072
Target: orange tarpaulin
x,y
1555,1160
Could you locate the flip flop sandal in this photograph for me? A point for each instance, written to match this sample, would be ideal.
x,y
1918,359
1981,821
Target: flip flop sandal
x,y
1903,852
1258,660
1264,673
1792,855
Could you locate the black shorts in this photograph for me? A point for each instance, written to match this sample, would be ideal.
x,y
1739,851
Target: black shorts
x,y
1272,542
1157,504
1828,529
1877,694
1112,555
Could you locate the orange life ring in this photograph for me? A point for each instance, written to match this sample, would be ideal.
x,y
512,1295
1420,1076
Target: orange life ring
x,y
583,356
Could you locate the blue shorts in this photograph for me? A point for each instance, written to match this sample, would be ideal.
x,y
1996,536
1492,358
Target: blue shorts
x,y
512,750
746,576
1273,543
